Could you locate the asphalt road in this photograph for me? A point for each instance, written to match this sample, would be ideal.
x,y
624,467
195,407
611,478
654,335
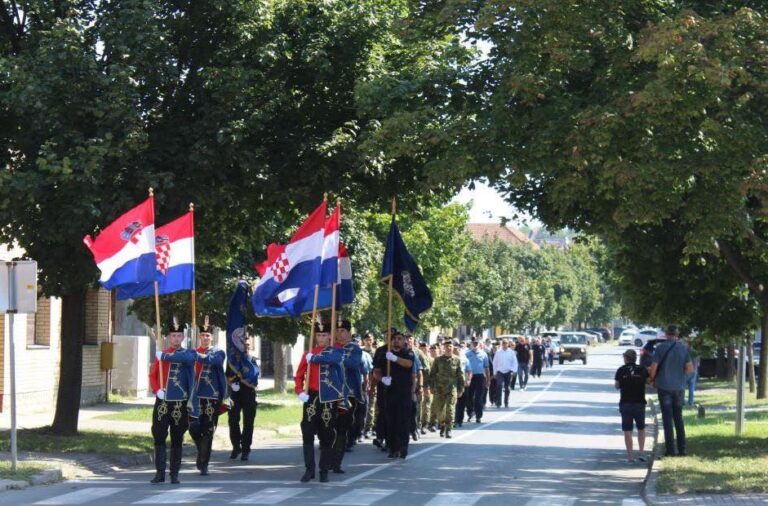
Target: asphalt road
x,y
559,443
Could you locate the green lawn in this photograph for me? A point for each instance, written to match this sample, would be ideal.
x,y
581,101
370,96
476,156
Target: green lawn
x,y
24,470
42,440
268,415
717,460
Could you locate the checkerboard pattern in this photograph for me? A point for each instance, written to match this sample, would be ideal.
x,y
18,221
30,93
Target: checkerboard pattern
x,y
280,268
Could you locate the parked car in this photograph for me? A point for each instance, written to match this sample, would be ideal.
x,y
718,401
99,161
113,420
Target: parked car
x,y
643,336
604,331
573,346
598,336
626,337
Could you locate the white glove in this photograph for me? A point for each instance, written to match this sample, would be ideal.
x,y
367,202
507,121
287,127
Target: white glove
x,y
235,387
161,394
387,380
304,397
159,355
309,356
391,356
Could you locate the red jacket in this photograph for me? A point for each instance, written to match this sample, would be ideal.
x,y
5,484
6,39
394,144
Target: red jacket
x,y
154,380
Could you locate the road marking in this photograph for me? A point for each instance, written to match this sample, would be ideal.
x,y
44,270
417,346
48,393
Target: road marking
x,y
270,496
453,499
83,495
120,481
551,501
177,496
633,502
361,496
504,418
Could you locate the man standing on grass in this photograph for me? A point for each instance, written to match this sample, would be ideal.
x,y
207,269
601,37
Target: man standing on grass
x,y
630,380
669,370
172,380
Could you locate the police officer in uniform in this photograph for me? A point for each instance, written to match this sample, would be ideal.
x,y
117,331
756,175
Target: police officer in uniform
x,y
242,386
324,391
172,381
210,388
345,420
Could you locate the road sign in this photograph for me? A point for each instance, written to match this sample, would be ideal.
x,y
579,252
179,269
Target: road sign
x,y
20,279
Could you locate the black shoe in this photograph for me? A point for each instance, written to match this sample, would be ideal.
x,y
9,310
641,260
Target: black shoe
x,y
423,431
448,434
432,428
235,453
309,474
323,476
461,424
442,432
338,470
204,470
175,464
469,418
478,421
366,435
392,455
415,436
403,454
245,455
376,442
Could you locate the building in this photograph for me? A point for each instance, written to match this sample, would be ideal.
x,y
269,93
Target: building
x,y
504,233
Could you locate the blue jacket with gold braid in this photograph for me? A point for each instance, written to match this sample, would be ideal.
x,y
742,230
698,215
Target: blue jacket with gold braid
x,y
180,375
353,382
331,373
209,369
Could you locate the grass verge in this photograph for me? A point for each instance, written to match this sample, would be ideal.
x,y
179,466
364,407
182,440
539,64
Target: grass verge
x,y
24,470
86,441
718,461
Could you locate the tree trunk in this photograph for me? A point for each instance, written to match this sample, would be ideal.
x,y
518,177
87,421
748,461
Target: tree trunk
x,y
71,367
278,356
730,370
751,366
761,381
720,364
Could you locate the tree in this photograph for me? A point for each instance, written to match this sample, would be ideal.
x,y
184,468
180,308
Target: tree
x,y
227,104
609,116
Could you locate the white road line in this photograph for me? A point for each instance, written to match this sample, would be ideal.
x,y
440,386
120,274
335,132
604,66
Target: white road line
x,y
120,481
270,496
551,501
177,496
83,495
453,499
632,502
361,497
504,418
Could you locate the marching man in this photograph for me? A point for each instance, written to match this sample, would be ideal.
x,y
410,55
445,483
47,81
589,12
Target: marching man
x,y
171,379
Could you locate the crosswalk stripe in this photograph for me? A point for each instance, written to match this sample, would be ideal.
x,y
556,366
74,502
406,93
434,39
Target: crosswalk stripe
x,y
632,502
177,496
361,497
270,496
453,499
551,501
83,495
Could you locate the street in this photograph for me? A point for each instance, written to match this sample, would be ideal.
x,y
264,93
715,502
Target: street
x,y
559,443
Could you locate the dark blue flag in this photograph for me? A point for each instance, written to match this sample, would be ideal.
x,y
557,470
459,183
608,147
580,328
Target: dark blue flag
x,y
239,361
407,280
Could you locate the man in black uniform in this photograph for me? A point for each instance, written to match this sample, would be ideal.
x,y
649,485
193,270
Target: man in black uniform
x,y
394,371
243,397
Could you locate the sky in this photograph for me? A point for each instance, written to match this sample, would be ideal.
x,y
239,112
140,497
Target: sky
x,y
488,206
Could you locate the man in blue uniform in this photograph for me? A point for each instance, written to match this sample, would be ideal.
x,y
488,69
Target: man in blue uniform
x,y
171,379
210,388
352,390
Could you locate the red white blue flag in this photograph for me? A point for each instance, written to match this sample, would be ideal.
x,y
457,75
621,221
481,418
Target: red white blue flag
x,y
125,250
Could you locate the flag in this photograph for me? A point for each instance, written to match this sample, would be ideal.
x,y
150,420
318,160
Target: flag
x,y
407,280
329,271
238,361
175,260
293,266
292,303
125,251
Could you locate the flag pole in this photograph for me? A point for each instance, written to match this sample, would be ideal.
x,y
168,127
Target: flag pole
x,y
312,324
158,333
193,301
333,299
389,310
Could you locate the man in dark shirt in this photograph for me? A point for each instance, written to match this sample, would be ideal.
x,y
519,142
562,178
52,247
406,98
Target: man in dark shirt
x,y
393,369
630,380
523,350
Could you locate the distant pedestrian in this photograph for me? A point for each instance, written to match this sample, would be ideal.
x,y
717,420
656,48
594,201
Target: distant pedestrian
x,y
505,367
630,380
538,351
671,364
524,358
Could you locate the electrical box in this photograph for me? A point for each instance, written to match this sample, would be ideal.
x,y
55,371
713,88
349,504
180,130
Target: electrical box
x,y
107,356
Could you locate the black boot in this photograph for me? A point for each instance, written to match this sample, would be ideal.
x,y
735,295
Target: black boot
x,y
198,461
309,463
160,459
175,464
323,476
235,453
204,456
448,434
245,454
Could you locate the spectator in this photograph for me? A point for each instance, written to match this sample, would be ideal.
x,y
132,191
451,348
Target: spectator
x,y
692,378
630,380
671,365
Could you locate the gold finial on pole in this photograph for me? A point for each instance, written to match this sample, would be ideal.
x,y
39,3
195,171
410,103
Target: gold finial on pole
x,y
325,196
394,206
151,192
191,207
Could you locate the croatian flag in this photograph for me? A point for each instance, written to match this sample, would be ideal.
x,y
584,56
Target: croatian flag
x,y
295,265
125,251
296,302
175,261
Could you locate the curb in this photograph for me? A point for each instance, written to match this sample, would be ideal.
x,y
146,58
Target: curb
x,y
648,490
43,478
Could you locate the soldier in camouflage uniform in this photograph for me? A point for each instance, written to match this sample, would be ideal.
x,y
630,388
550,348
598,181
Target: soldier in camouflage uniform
x,y
447,382
425,401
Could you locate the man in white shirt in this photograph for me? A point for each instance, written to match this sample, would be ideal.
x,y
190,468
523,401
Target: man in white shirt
x,y
504,367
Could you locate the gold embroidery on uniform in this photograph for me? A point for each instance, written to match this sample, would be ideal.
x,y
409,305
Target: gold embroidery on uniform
x,y
327,414
162,409
311,411
176,414
209,410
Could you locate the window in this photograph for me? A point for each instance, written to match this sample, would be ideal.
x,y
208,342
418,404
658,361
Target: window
x,y
39,325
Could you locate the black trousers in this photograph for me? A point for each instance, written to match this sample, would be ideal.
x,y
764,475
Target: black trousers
x,y
399,415
318,419
461,404
169,416
476,397
502,381
206,423
243,401
345,421
536,367
380,424
361,418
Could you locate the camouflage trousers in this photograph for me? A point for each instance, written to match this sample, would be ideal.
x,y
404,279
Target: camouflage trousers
x,y
443,407
373,411
425,406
